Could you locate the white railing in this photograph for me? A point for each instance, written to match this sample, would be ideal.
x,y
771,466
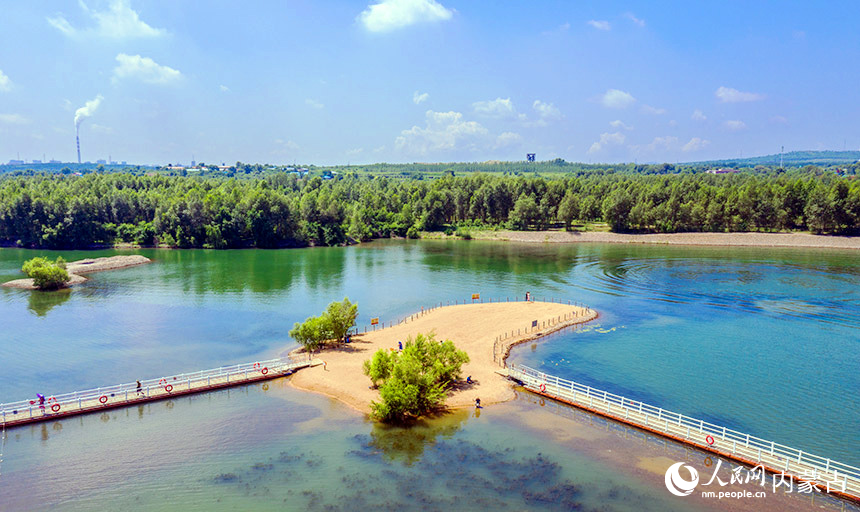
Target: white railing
x,y
149,388
696,431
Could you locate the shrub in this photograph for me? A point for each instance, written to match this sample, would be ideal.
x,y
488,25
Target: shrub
x,y
414,380
334,323
46,275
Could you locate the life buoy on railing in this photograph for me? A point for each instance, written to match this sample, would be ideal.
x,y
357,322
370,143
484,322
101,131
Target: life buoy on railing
x,y
55,407
264,370
162,381
709,440
543,388
103,399
256,366
168,388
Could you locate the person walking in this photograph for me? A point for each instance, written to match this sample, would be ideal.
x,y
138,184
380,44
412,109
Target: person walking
x,y
139,389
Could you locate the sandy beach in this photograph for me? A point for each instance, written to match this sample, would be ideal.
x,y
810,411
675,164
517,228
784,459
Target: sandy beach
x,y
719,239
472,327
86,266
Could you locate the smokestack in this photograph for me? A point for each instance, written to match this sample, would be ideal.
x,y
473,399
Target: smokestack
x,y
82,113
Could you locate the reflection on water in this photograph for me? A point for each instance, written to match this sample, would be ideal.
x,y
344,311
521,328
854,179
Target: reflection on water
x,y
40,302
407,444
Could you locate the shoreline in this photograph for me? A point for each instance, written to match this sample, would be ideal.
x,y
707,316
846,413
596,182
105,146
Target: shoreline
x,y
85,266
480,329
738,239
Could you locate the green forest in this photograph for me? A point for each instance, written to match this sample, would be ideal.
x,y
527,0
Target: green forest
x,y
61,211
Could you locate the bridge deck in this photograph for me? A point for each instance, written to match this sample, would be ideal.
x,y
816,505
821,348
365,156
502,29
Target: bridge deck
x,y
828,475
121,395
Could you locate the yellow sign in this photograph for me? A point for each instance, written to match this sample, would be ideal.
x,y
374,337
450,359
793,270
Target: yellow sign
x,y
476,296
374,321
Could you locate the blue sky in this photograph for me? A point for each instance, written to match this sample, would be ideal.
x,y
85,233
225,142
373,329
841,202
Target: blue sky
x,y
331,82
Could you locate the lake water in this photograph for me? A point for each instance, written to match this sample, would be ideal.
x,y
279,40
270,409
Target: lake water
x,y
761,340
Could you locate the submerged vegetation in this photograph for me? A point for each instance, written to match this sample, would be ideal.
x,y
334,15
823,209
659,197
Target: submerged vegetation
x,y
286,209
413,382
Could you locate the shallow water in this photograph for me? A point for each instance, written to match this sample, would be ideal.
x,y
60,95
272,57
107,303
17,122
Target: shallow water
x,y
762,340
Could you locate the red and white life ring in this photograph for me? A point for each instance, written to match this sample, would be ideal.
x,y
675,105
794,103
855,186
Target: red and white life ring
x,y
103,399
709,440
55,407
168,388
543,388
264,370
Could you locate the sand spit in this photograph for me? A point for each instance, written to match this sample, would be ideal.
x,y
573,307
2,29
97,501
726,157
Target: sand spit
x,y
472,327
86,266
719,239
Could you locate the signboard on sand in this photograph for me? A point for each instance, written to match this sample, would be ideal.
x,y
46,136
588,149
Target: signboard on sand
x,y
374,321
476,296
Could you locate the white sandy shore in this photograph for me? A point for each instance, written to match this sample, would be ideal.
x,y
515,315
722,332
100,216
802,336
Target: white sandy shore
x,y
719,239
472,327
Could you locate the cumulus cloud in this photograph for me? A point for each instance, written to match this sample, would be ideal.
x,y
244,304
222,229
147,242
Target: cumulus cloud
x,y
443,131
729,95
354,152
606,140
546,111
614,98
698,116
634,19
314,103
118,21
507,139
387,15
620,124
648,109
224,88
5,82
734,125
498,107
695,144
662,143
144,69
600,24
13,119
420,97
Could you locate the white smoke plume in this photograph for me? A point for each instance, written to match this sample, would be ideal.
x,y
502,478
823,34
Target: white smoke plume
x,y
87,110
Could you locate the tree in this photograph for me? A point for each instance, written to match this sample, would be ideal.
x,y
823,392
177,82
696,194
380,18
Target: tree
x,y
46,275
333,324
524,214
340,317
414,381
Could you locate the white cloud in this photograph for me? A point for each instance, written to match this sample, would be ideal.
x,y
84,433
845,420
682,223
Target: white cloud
x,y
698,116
420,97
614,98
662,143
735,125
507,139
88,109
729,95
314,103
118,21
13,119
606,140
695,144
634,19
355,152
546,111
620,124
5,82
144,69
387,15
600,24
648,109
224,88
444,131
495,108
101,128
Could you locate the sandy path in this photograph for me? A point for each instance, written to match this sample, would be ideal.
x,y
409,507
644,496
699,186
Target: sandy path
x,y
724,239
472,327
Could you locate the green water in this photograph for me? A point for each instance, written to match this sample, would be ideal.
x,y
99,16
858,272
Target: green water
x,y
762,340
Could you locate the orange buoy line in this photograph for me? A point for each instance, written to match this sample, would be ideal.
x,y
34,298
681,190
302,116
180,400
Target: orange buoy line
x,y
833,477
121,395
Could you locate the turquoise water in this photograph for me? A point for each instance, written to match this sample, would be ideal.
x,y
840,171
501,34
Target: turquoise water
x,y
762,340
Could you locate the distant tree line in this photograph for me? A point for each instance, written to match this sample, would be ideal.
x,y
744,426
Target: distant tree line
x,y
282,209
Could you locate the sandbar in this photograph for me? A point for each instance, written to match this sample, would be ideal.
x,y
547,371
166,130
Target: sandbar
x,y
718,239
85,266
472,327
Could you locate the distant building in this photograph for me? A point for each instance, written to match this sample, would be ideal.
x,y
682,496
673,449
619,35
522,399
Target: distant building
x,y
724,170
37,161
52,161
13,162
102,161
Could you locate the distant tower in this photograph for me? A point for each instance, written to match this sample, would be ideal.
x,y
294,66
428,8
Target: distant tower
x,y
781,151
530,157
78,140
